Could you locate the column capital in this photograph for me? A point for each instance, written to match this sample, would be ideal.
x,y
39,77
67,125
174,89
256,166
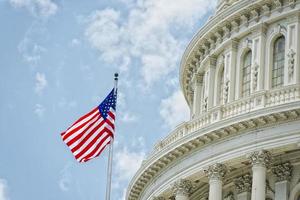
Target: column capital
x,y
158,198
216,171
182,187
243,183
283,172
262,158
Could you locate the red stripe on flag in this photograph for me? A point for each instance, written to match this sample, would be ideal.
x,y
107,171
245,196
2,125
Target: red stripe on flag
x,y
105,130
90,155
84,140
69,133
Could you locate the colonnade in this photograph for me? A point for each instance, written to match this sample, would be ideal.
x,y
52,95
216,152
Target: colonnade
x,y
248,186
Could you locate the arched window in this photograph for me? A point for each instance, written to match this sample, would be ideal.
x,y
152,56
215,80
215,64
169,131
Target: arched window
x,y
278,62
221,86
246,74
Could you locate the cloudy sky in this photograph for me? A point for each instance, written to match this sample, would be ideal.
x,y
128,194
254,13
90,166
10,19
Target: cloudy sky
x,y
57,60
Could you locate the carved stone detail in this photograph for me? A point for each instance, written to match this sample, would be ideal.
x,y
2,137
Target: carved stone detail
x,y
205,103
266,9
216,171
261,157
255,14
234,25
158,198
229,196
226,32
283,172
255,70
292,3
182,187
278,4
243,183
244,20
226,90
291,63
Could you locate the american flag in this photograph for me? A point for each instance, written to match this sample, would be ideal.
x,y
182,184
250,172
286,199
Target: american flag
x,y
91,133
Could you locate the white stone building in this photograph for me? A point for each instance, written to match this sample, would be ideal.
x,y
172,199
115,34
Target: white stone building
x,y
240,76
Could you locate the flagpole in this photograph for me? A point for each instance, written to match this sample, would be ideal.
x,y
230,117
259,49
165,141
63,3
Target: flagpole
x,y
110,152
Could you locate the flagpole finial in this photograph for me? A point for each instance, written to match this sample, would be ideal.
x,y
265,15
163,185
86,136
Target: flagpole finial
x,y
116,76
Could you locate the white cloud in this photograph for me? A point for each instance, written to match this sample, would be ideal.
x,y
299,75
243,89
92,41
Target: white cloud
x,y
127,163
39,110
3,189
30,50
65,179
41,82
174,109
149,33
75,42
104,33
38,8
128,117
70,104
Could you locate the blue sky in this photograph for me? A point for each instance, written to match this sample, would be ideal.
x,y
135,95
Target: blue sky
x,y
57,62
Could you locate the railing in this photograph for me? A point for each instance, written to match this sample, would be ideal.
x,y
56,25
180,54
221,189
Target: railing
x,y
256,101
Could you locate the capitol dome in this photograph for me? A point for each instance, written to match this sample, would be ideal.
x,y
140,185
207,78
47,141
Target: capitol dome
x,y
240,76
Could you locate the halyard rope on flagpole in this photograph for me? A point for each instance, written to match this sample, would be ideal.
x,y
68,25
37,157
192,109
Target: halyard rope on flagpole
x,y
110,152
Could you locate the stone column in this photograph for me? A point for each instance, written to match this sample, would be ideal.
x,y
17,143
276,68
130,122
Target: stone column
x,y
283,173
243,187
260,161
215,173
197,81
182,189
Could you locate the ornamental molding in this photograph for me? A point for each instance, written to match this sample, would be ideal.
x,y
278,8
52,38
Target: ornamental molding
x,y
291,63
255,70
260,158
226,89
283,172
243,183
182,187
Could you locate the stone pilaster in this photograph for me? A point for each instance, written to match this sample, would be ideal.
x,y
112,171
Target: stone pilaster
x,y
182,189
229,71
215,173
197,82
260,160
211,81
283,173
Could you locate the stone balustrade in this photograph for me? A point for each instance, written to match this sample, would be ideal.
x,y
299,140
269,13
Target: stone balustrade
x,y
257,101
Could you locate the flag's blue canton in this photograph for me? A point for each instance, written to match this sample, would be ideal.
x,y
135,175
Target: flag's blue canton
x,y
109,102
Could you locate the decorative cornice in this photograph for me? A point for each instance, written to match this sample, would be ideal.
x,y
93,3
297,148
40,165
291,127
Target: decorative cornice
x,y
261,158
216,171
283,172
182,187
243,183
